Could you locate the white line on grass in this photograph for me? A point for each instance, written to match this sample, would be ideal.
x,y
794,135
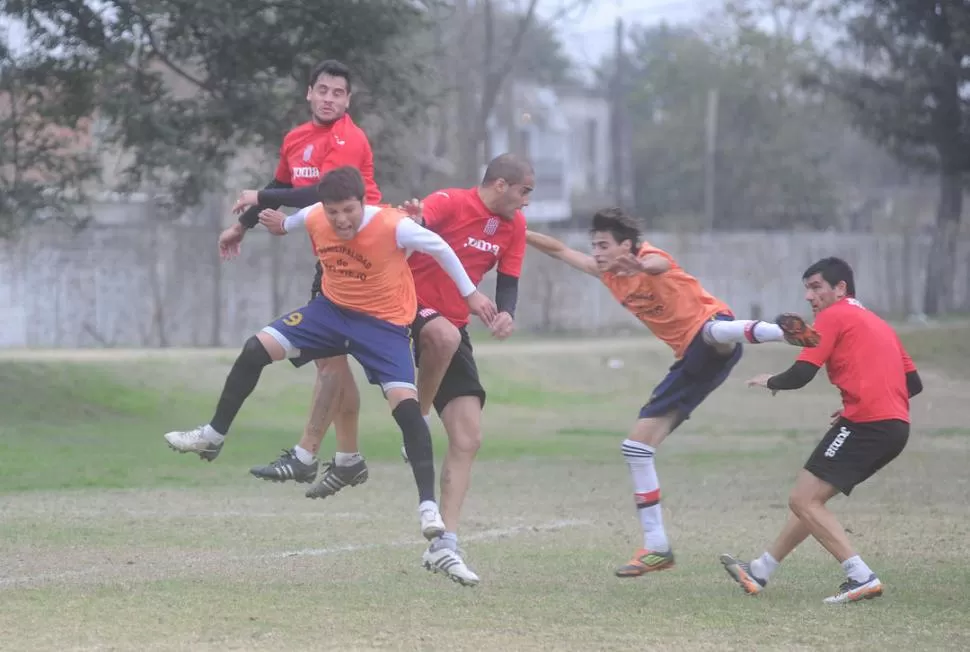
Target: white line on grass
x,y
486,535
207,560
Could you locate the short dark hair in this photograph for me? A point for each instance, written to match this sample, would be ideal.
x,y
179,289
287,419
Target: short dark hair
x,y
833,270
341,184
514,169
618,224
331,68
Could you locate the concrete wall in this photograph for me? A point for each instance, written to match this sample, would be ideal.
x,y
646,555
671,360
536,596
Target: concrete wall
x,y
163,285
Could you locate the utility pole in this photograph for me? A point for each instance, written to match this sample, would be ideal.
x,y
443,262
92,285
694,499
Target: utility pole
x,y
710,162
617,122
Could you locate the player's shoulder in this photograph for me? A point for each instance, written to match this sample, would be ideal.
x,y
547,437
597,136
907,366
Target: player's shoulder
x,y
298,132
448,194
519,222
352,127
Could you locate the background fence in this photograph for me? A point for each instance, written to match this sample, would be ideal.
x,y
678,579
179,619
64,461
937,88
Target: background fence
x,y
163,284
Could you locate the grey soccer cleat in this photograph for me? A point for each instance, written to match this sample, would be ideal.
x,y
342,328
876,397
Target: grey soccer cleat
x,y
741,573
336,478
193,441
287,467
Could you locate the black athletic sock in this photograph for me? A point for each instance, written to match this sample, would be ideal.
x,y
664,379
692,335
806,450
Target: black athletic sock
x,y
417,444
240,383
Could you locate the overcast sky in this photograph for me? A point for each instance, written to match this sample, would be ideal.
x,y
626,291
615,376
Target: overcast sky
x,y
589,34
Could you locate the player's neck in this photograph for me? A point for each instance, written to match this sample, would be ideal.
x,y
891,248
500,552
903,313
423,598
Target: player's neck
x,y
317,122
486,197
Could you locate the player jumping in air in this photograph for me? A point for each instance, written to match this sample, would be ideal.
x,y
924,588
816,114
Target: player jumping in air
x,y
486,228
329,140
701,330
867,362
367,303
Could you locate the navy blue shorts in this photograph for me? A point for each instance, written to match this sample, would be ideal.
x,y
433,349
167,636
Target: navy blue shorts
x,y
691,379
322,329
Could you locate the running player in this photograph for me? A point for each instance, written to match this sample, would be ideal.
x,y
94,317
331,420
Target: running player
x,y
329,140
367,303
486,228
701,330
867,362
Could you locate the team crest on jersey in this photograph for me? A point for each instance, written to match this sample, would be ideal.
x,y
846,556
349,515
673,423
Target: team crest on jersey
x,y
491,226
307,153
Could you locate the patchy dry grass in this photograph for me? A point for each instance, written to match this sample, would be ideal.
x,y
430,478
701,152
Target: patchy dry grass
x,y
108,541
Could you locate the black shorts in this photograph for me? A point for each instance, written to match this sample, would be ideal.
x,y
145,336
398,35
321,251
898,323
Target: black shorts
x,y
461,377
317,288
851,453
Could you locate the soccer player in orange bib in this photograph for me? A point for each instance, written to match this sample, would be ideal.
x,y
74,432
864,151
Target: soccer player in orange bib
x,y
705,338
367,303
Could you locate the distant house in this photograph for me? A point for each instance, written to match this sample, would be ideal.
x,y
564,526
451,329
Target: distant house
x,y
566,134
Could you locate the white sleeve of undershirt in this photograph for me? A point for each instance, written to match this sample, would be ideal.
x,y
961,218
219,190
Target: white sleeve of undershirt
x,y
297,219
413,236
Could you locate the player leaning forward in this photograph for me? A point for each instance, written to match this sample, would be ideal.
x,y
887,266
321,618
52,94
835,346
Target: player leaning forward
x,y
876,377
368,301
701,330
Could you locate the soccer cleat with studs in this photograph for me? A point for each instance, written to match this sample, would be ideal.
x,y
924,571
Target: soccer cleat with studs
x,y
287,467
336,478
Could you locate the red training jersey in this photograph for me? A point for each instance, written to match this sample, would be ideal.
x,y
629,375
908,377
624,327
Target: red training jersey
x,y
865,360
311,150
481,240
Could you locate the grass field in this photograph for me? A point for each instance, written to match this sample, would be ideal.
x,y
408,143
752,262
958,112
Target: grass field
x,y
109,541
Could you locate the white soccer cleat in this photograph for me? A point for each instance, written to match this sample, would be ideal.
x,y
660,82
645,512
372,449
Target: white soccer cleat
x,y
194,441
852,591
448,561
432,526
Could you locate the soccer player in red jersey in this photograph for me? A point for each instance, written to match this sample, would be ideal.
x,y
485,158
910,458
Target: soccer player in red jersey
x,y
486,228
866,361
329,140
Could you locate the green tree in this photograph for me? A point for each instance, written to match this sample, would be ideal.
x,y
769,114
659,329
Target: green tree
x,y
904,87
769,159
46,162
183,85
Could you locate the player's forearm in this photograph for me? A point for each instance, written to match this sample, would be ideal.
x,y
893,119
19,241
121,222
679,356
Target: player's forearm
x,y
295,197
506,293
250,216
914,384
795,377
544,243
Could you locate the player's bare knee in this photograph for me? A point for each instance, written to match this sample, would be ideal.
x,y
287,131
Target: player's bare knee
x,y
264,343
396,395
800,502
652,430
440,337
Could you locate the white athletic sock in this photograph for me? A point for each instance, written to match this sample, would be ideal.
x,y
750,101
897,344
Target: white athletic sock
x,y
427,420
646,493
210,435
303,454
764,566
856,569
742,330
347,459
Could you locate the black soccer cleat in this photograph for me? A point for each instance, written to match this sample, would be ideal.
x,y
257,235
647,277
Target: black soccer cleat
x,y
336,478
287,467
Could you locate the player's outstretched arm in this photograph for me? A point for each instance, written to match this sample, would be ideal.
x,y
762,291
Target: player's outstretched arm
x,y
278,223
248,205
411,235
556,249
